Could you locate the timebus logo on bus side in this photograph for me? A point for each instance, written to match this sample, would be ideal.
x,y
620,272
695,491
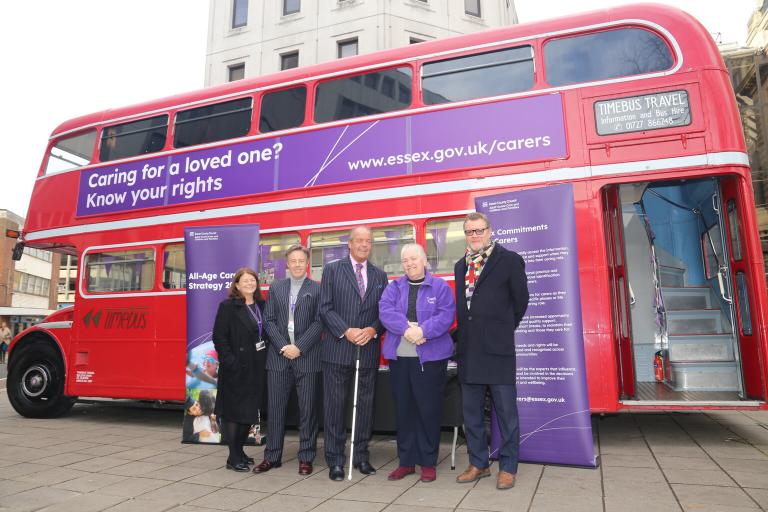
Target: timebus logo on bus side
x,y
117,318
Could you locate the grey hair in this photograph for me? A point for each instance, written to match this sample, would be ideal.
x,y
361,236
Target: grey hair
x,y
415,247
477,216
362,226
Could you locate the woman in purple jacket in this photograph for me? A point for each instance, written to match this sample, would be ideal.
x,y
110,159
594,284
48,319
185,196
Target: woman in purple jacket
x,y
417,311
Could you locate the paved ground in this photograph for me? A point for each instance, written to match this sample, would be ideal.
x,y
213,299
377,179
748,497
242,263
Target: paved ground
x,y
127,458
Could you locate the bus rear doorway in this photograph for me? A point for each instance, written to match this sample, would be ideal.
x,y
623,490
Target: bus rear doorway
x,y
682,292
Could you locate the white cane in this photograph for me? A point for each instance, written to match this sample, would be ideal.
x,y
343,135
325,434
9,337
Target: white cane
x,y
354,413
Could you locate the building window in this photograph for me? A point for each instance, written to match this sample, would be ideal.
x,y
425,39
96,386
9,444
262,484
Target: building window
x,y
472,7
38,253
347,48
239,13
289,60
291,7
236,72
31,285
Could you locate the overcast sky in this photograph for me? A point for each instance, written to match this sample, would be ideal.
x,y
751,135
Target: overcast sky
x,y
66,58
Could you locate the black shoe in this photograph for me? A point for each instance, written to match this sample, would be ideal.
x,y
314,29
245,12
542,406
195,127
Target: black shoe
x,y
240,467
365,468
248,460
336,473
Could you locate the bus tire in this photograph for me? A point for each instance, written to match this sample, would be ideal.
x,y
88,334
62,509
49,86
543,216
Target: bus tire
x,y
36,382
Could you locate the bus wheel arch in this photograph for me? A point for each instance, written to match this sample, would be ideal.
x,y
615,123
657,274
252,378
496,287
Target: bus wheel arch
x,y
36,378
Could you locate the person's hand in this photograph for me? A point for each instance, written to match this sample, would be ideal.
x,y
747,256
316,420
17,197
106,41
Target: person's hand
x,y
290,351
366,334
413,334
420,341
352,334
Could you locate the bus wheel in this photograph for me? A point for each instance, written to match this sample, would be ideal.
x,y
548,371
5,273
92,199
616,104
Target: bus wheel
x,y
36,382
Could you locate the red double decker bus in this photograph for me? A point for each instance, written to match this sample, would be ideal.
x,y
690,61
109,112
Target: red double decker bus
x,y
632,106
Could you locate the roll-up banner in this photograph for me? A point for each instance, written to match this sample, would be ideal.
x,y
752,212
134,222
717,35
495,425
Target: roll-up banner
x,y
553,404
213,254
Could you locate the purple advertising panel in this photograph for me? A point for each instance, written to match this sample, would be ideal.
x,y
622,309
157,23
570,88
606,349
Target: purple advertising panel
x,y
471,136
213,254
555,425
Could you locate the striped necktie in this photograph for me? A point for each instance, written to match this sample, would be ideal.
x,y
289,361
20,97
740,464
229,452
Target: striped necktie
x,y
360,281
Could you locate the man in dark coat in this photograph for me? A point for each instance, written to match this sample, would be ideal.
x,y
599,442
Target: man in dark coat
x,y
349,306
292,322
491,299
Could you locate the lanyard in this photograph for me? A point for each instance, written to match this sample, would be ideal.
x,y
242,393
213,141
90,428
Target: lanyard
x,y
293,299
256,316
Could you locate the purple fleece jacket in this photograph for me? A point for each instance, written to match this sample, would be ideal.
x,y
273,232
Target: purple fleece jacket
x,y
435,311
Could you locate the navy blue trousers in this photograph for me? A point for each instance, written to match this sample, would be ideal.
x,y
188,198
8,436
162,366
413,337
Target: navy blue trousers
x,y
418,394
505,400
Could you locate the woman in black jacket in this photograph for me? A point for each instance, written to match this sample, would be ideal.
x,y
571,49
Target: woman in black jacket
x,y
239,341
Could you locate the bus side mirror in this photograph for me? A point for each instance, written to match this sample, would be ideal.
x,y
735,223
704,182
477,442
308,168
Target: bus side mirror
x,y
18,250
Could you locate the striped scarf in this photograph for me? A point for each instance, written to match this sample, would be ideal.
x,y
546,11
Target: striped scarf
x,y
475,263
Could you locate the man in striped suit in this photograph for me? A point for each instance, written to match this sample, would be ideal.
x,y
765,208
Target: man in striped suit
x,y
293,326
349,306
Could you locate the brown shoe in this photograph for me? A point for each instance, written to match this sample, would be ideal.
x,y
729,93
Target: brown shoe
x,y
505,480
266,465
305,468
473,474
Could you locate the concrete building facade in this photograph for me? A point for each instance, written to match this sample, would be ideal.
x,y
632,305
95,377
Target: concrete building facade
x,y
27,293
248,38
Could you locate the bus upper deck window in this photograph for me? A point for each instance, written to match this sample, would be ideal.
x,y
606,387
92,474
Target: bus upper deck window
x,y
134,138
71,152
477,76
363,95
284,109
210,123
605,55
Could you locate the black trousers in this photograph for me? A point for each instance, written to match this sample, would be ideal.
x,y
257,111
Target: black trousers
x,y
279,386
336,383
417,390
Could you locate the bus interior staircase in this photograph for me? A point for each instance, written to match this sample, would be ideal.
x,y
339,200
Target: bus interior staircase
x,y
701,354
